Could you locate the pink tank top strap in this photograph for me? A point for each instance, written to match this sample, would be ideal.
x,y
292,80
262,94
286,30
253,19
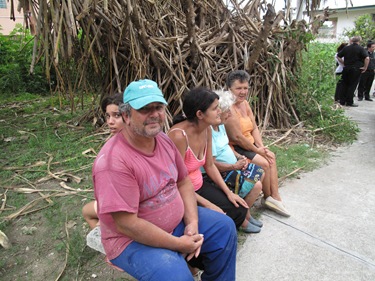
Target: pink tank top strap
x,y
183,133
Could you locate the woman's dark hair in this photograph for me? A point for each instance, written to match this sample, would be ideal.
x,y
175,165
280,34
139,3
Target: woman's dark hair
x,y
342,46
114,99
240,75
197,99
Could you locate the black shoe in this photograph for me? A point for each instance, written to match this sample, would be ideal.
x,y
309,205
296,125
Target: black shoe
x,y
352,105
369,99
360,99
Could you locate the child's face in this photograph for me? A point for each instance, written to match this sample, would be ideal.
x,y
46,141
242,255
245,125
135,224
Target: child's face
x,y
114,118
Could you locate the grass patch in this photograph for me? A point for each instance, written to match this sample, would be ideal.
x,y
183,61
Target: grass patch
x,y
34,132
298,156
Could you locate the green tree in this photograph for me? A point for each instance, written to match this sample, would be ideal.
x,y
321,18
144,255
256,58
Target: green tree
x,y
364,26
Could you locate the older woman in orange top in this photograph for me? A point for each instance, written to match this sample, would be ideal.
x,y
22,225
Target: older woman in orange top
x,y
245,138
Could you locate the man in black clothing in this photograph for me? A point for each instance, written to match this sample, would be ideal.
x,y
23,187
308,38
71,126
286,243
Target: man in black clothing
x,y
355,62
365,82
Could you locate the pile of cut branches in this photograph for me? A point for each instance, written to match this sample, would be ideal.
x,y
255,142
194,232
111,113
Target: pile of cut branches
x,y
100,46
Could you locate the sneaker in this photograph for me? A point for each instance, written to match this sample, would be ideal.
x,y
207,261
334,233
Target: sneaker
x,y
251,228
197,276
253,221
276,206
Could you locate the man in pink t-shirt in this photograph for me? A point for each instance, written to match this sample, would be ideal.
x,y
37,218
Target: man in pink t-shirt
x,y
149,220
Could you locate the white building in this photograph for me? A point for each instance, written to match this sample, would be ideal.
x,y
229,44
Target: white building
x,y
6,24
341,20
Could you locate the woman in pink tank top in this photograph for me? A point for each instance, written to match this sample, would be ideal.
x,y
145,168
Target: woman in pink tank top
x,y
191,133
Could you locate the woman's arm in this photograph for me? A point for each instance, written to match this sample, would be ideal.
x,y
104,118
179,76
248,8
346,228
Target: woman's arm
x,y
255,133
224,167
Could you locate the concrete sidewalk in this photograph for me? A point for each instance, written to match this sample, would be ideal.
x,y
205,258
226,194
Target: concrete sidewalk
x,y
331,233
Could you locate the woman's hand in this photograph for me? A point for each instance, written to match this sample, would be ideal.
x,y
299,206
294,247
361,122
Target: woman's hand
x,y
270,156
261,151
241,163
235,199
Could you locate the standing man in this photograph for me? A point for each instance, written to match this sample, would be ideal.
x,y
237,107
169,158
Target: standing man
x,y
149,219
365,82
355,62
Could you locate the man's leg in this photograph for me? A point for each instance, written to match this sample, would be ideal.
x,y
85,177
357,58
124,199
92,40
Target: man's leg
x,y
362,86
344,85
369,80
218,252
353,76
339,86
149,263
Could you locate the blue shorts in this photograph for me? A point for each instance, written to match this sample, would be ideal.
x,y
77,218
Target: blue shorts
x,y
242,182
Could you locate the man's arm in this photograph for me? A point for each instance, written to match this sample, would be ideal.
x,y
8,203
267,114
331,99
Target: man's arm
x,y
149,234
366,62
186,189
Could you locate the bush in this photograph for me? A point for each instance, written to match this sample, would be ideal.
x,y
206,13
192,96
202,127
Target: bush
x,y
315,97
15,57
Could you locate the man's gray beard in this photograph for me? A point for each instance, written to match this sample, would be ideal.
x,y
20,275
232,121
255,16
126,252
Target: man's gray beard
x,y
147,133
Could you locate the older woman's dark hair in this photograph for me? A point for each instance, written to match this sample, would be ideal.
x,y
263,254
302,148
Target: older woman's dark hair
x,y
240,75
342,46
116,99
197,99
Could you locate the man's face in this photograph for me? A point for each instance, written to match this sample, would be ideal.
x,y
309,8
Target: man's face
x,y
240,90
147,121
372,48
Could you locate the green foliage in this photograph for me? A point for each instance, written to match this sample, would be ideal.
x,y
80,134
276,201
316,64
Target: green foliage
x,y
364,26
15,58
314,100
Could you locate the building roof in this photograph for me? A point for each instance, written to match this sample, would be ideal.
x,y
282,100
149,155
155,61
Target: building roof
x,y
357,8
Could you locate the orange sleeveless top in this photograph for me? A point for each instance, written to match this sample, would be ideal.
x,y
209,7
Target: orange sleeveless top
x,y
246,127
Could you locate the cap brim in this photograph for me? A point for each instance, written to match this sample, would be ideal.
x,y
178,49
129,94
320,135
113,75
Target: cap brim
x,y
143,101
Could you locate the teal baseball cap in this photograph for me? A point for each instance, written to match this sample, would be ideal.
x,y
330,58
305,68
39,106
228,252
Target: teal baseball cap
x,y
142,92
